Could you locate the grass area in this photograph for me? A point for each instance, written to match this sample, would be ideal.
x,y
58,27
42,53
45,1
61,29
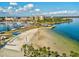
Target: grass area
x,y
29,51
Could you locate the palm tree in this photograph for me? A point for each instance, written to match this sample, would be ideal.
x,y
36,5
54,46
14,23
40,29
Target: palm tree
x,y
45,49
74,54
48,48
49,53
31,48
24,49
63,54
56,54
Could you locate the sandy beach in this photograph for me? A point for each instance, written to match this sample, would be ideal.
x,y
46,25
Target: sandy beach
x,y
48,38
41,37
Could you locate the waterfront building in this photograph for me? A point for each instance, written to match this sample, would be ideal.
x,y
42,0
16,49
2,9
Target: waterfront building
x,y
7,19
41,17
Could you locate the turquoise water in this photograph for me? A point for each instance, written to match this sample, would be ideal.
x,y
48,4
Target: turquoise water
x,y
3,27
70,30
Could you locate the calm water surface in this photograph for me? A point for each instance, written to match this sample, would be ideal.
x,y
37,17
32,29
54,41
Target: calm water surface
x,y
70,30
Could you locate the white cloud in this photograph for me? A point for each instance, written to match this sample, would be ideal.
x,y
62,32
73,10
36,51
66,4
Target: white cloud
x,y
16,10
9,7
20,10
31,11
30,5
37,9
27,7
4,10
73,11
63,12
1,8
10,11
13,3
45,13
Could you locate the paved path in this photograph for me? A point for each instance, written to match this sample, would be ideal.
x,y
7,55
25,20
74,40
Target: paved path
x,y
14,46
21,39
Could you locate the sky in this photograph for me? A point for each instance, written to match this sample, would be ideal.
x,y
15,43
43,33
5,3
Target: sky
x,y
20,9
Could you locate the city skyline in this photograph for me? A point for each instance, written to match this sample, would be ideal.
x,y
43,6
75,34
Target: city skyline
x,y
39,8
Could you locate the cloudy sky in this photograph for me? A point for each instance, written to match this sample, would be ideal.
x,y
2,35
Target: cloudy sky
x,y
39,8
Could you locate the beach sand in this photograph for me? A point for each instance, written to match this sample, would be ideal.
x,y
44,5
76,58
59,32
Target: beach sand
x,y
48,38
10,53
41,37
13,47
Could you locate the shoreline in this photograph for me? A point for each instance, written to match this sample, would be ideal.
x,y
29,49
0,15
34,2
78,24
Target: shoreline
x,y
71,39
55,41
40,37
